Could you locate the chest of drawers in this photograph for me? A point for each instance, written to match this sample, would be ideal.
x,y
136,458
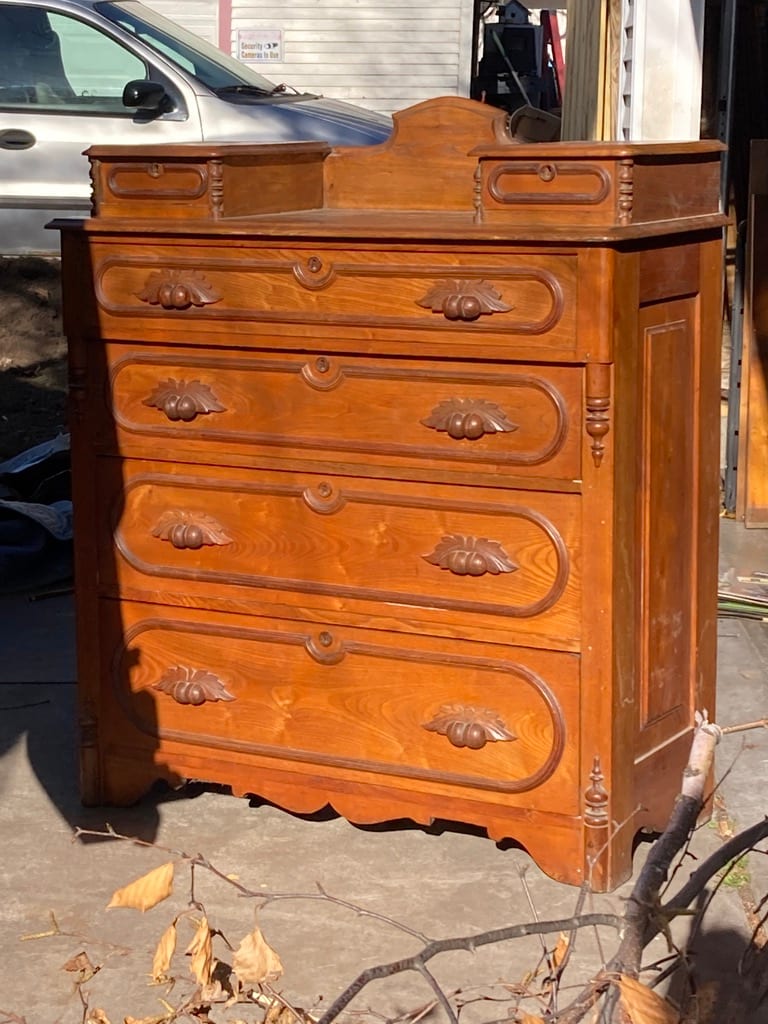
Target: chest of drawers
x,y
396,477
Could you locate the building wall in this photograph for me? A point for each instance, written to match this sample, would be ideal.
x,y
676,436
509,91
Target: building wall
x,y
380,54
661,65
199,16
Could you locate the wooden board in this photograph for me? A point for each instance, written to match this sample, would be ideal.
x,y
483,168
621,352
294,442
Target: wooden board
x,y
752,466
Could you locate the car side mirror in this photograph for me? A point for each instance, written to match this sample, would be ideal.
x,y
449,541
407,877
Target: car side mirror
x,y
145,95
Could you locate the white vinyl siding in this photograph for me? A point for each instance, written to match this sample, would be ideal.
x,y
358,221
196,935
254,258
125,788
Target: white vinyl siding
x,y
660,74
380,54
199,16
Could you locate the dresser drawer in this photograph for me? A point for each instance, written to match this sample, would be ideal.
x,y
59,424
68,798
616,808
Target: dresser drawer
x,y
508,420
452,299
443,553
452,714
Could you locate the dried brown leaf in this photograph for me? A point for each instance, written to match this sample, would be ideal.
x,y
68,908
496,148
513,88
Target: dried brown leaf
x,y
527,1018
643,1005
166,947
213,992
201,951
279,1013
145,892
527,980
255,962
81,965
97,1017
560,950
79,962
146,1020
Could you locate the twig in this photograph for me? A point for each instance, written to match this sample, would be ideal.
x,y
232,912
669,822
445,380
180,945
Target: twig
x,y
53,930
531,905
274,996
762,723
197,860
441,997
552,972
580,901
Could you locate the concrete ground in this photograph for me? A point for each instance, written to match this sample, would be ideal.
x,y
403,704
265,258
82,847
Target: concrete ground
x,y
438,883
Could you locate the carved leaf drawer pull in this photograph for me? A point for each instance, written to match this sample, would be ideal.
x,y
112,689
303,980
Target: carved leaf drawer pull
x,y
468,726
190,529
178,289
469,419
184,400
192,686
471,556
464,300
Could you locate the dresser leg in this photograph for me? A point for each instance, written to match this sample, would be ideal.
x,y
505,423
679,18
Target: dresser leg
x,y
128,779
596,830
91,790
607,851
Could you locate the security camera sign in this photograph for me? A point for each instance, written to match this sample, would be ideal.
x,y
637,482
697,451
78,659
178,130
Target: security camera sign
x,y
260,45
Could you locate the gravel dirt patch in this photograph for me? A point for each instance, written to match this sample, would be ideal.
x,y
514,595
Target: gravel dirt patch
x,y
33,351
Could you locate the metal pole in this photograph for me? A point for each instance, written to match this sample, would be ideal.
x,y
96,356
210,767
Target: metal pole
x,y
725,89
734,376
724,124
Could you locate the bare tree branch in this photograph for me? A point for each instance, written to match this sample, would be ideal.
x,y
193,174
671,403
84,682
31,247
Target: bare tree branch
x,y
735,847
469,943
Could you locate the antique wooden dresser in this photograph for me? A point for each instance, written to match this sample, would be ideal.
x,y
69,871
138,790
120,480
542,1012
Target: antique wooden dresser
x,y
396,476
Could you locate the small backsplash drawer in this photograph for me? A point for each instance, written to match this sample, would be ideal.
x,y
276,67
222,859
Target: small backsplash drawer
x,y
197,182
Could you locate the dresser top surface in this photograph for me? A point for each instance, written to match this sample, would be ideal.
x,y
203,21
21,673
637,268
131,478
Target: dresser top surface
x,y
391,226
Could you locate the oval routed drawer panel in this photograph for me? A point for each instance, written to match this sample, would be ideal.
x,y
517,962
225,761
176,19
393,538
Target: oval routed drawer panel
x,y
472,715
521,419
371,543
455,295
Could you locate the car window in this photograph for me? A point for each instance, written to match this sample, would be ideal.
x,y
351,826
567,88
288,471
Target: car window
x,y
206,62
61,64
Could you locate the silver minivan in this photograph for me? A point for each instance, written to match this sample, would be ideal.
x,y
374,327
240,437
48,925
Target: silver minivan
x,y
77,72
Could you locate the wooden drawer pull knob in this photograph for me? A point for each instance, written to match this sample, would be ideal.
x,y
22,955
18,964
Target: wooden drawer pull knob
x,y
464,300
471,556
469,419
184,400
192,686
190,529
178,289
468,726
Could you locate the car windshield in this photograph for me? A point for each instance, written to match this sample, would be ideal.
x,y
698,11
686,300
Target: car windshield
x,y
208,64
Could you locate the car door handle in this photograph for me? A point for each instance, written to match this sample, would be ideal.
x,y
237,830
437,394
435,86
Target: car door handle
x,y
16,138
